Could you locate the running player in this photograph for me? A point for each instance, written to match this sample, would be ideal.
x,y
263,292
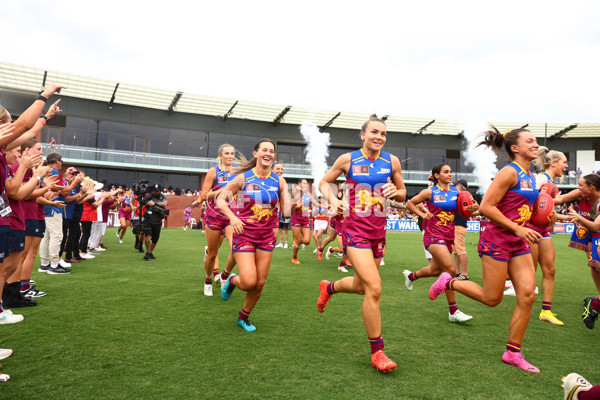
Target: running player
x,y
258,190
320,225
553,163
438,233
373,176
125,212
217,225
300,218
503,245
589,187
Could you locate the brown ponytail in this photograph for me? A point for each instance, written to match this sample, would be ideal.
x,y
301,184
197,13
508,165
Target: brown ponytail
x,y
493,139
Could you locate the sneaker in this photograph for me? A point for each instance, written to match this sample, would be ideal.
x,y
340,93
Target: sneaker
x,y
536,290
328,253
341,268
295,261
407,282
439,286
217,278
459,316
285,246
382,262
120,241
507,284
152,256
246,325
208,290
32,282
117,234
86,256
70,261
590,314
4,353
7,317
319,255
147,256
205,252
314,251
63,263
279,245
94,251
380,361
575,384
324,297
510,292
58,270
516,358
227,288
32,292
44,268
547,315
303,247
338,255
100,249
141,248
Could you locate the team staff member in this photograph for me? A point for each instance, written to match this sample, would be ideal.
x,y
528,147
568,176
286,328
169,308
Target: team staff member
x,y
153,218
438,236
373,176
503,245
258,191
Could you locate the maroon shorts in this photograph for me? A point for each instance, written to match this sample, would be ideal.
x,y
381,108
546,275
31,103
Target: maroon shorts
x,y
501,254
216,224
377,246
244,244
428,240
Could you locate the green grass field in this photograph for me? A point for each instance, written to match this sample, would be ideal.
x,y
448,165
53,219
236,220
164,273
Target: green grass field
x,y
120,328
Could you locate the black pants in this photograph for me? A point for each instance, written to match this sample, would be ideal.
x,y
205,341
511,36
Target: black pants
x,y
72,248
86,230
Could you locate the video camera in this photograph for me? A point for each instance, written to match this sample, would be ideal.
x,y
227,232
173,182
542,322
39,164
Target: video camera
x,y
140,189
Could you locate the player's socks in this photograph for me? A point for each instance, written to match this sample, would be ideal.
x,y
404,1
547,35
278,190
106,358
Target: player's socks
x,y
25,285
224,275
546,305
208,280
376,344
243,314
592,394
512,346
453,307
412,276
596,303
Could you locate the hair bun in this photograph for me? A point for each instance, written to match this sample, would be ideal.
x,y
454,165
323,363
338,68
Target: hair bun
x,y
373,116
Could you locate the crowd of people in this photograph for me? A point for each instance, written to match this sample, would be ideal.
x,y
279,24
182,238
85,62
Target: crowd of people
x,y
248,203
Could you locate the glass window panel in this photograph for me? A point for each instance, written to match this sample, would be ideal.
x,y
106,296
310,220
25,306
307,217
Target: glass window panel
x,y
140,130
78,123
213,150
178,148
76,138
54,133
119,142
158,131
119,127
179,134
216,137
198,136
438,153
159,146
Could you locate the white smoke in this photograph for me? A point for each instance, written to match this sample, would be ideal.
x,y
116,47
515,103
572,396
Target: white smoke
x,y
481,158
317,150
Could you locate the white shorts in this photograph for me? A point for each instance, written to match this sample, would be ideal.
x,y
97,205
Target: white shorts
x,y
320,224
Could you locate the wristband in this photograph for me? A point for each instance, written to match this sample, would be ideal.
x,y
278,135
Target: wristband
x,y
42,98
43,121
44,117
38,178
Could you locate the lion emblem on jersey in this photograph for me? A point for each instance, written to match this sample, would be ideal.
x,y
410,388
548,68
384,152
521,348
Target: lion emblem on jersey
x,y
367,200
524,214
581,232
259,213
445,218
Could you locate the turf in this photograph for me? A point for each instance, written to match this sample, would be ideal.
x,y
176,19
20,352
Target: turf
x,y
119,327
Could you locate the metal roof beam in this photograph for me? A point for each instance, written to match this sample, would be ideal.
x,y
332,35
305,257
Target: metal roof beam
x,y
328,124
112,99
278,119
228,113
563,131
174,102
44,82
424,127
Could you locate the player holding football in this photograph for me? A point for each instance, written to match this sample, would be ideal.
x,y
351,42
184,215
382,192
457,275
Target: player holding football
x,y
503,245
438,236
553,162
373,176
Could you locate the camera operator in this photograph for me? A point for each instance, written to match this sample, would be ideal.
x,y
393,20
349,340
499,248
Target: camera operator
x,y
140,190
156,204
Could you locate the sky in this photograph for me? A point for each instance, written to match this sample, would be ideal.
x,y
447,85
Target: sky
x,y
531,61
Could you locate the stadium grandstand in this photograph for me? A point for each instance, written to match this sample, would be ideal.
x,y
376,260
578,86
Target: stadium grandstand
x,y
120,133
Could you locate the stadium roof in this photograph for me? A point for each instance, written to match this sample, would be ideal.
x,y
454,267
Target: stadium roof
x,y
32,80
